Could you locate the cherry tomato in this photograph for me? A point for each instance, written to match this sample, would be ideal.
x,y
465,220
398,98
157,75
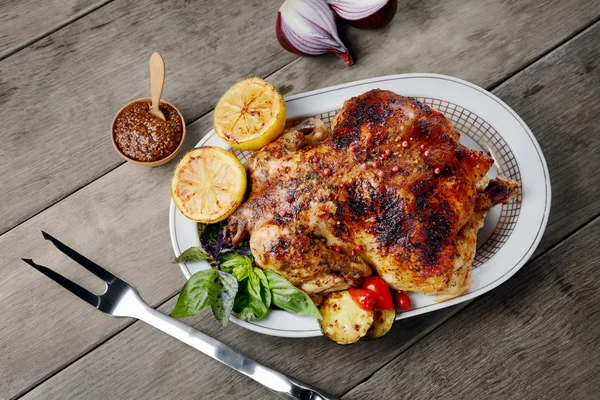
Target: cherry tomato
x,y
382,293
363,297
402,301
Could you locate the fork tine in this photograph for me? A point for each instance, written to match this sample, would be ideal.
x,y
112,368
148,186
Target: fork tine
x,y
82,260
71,286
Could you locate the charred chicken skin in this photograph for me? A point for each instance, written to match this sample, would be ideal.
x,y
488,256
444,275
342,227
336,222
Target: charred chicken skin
x,y
390,189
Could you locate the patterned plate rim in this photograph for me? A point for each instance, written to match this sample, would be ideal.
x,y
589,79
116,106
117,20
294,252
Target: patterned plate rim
x,y
431,307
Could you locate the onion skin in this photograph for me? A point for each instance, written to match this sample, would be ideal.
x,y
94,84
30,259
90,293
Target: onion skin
x,y
283,41
287,45
377,20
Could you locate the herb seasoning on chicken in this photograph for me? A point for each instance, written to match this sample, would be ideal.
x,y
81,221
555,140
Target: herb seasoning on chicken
x,y
391,178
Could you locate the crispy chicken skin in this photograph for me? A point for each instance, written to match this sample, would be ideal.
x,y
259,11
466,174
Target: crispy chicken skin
x,y
391,189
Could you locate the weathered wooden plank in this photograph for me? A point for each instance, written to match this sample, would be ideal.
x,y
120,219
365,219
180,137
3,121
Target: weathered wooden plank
x,y
457,38
59,95
174,370
43,326
535,337
339,368
569,135
94,66
487,51
22,22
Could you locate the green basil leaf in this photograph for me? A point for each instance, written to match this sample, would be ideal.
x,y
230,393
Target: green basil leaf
x,y
194,295
229,270
193,254
261,276
242,298
242,265
290,298
247,306
251,309
222,296
265,292
240,272
254,286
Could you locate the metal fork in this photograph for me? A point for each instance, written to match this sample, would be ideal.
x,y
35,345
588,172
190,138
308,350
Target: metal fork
x,y
120,299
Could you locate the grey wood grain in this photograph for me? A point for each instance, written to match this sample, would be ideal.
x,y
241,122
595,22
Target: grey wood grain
x,y
76,79
534,337
314,360
137,248
537,335
121,222
568,135
24,21
460,38
58,96
173,370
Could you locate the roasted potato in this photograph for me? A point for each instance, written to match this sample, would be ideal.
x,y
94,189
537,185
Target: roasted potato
x,y
382,322
344,321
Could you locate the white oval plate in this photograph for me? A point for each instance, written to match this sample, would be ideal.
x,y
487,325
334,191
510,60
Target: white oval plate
x,y
511,232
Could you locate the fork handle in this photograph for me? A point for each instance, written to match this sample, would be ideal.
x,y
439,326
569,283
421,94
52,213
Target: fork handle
x,y
286,387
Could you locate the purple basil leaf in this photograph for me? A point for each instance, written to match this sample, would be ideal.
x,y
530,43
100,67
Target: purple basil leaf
x,y
222,296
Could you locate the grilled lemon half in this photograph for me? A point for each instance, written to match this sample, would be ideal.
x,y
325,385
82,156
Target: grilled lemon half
x,y
208,184
250,114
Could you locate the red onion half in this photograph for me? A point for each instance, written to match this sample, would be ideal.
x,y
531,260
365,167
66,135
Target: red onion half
x,y
307,27
365,14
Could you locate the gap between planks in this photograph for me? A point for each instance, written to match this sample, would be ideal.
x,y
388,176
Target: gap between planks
x,y
466,304
412,342
82,14
69,194
417,338
23,45
488,88
91,9
561,43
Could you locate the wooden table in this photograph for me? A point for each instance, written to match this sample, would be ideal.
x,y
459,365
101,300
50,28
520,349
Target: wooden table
x,y
66,68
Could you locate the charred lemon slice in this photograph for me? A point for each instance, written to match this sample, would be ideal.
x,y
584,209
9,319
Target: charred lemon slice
x,y
250,115
208,184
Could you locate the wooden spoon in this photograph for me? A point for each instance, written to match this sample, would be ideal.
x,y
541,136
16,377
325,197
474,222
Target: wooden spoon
x,y
157,81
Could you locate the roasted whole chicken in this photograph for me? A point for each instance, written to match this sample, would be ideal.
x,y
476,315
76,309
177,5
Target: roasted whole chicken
x,y
390,189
